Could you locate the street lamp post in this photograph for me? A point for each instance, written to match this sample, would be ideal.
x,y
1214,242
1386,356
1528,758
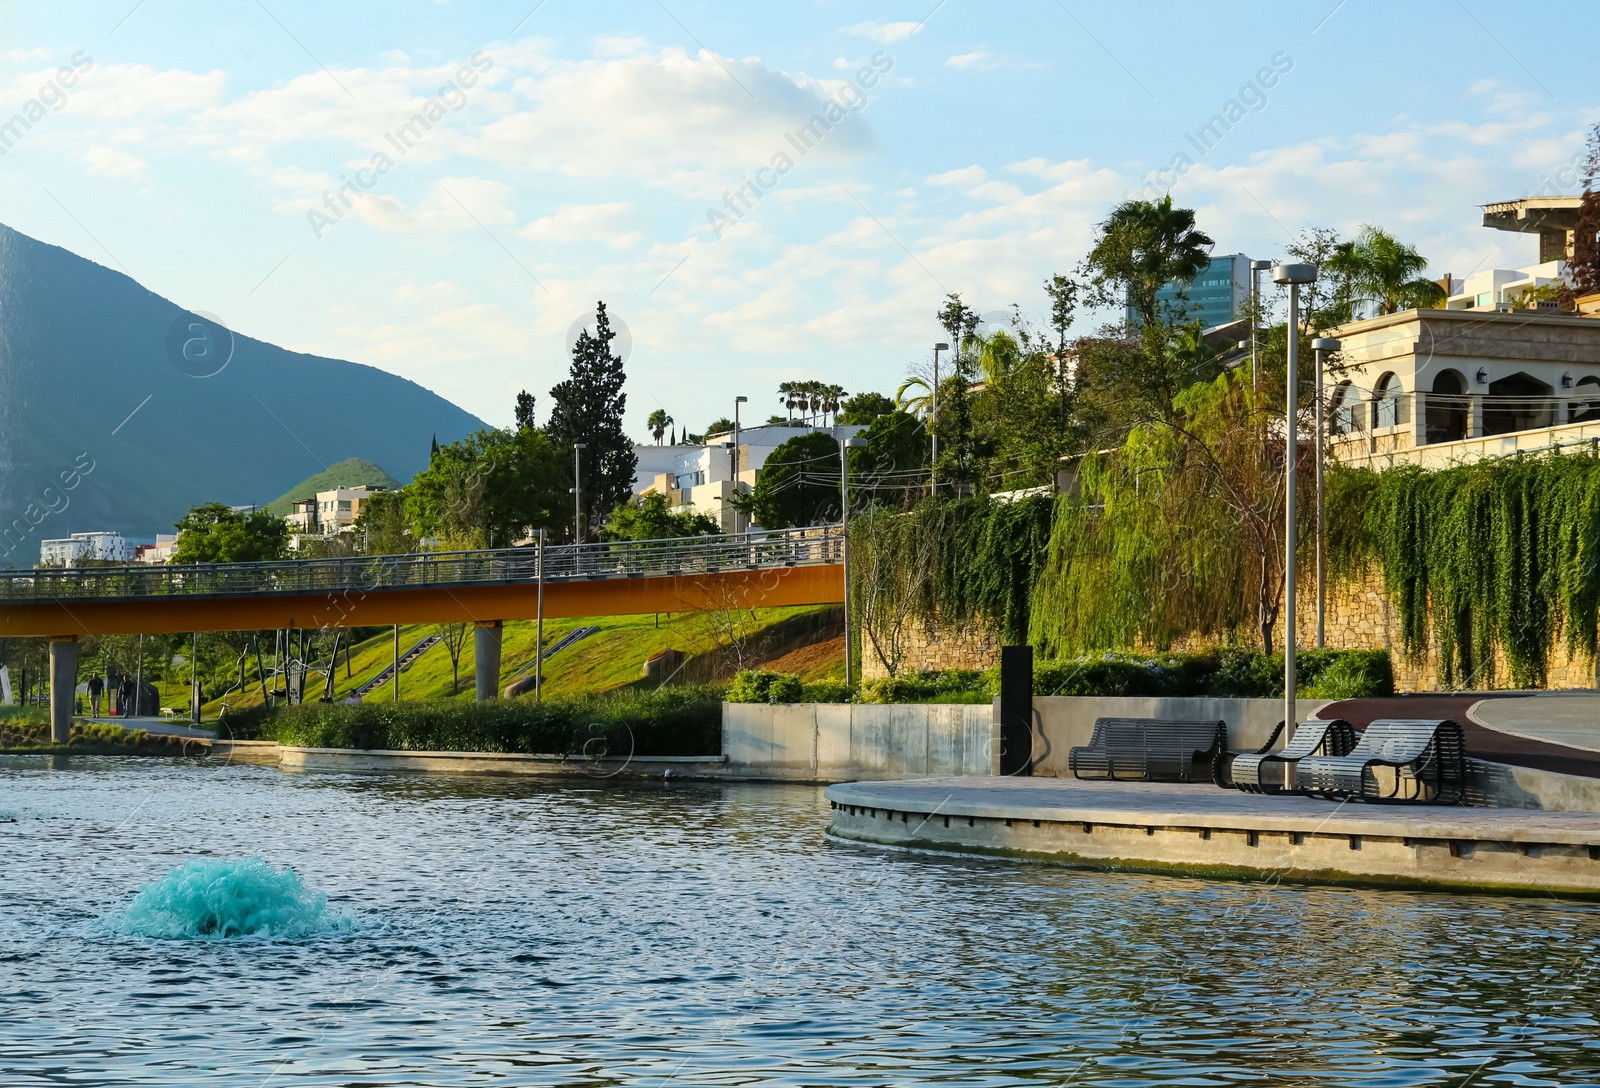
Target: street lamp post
x,y
736,402
1294,276
1256,268
933,418
729,514
845,446
577,491
1320,346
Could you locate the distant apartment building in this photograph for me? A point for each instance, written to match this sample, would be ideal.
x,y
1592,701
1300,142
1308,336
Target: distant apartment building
x,y
102,547
703,478
160,553
1216,296
328,512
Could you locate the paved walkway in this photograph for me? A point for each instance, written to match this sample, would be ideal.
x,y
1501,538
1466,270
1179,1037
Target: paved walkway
x,y
1204,805
1512,727
168,726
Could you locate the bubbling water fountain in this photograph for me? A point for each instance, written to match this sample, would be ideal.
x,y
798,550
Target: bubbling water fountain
x,y
218,899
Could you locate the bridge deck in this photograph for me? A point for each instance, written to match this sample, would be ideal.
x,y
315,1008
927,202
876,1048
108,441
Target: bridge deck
x,y
747,571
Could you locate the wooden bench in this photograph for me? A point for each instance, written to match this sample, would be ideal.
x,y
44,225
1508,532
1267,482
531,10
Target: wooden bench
x,y
1150,749
1313,738
1396,759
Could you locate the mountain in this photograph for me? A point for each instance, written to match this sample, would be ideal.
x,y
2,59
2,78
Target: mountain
x,y
352,472
120,410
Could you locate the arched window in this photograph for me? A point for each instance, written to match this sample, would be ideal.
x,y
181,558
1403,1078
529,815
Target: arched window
x,y
1587,407
1448,406
1346,409
1388,404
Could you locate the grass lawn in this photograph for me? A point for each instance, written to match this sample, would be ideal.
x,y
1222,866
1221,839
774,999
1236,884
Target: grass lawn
x,y
611,658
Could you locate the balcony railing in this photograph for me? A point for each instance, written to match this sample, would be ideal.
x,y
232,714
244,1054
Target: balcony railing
x,y
362,574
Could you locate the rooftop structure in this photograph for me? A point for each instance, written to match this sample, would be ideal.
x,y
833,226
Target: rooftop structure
x,y
101,547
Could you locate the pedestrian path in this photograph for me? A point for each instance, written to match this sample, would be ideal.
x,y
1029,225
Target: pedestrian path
x,y
166,726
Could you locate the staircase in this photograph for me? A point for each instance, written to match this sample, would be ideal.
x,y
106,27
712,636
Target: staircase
x,y
572,636
406,659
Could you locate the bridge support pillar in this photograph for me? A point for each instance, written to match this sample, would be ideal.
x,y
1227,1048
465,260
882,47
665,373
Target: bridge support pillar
x,y
63,686
486,638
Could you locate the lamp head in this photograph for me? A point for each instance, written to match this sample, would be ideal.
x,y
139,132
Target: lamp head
x,y
741,400
941,347
1324,343
580,445
1294,273
854,443
1260,266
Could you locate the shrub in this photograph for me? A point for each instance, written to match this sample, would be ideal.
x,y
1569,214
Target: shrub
x,y
672,721
755,686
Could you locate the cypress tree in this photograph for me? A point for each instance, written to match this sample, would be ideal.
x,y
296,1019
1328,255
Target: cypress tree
x,y
588,408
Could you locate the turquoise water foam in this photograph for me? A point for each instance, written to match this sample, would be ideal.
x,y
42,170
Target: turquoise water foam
x,y
212,899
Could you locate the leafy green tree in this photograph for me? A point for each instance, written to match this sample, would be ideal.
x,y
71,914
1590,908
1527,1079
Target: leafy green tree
x,y
588,408
383,527
798,485
893,467
213,533
650,518
524,412
724,425
1143,246
658,423
1386,272
489,490
864,408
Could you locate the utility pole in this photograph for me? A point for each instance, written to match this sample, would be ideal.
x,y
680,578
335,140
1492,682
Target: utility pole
x,y
538,631
577,491
1321,345
394,694
933,418
1294,275
845,446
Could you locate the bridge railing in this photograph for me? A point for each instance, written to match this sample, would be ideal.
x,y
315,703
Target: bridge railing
x,y
631,559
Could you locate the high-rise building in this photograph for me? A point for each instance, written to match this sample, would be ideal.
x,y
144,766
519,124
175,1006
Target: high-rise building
x,y
1216,295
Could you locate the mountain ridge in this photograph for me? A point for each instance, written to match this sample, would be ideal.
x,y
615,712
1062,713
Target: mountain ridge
x,y
168,407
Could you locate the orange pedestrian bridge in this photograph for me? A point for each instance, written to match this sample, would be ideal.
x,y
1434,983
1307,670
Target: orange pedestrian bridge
x,y
486,588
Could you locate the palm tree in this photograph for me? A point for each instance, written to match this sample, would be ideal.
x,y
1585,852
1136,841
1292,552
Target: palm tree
x,y
1381,269
919,404
832,397
998,355
658,423
1145,245
786,396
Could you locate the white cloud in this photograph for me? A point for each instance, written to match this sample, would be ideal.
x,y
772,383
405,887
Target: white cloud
x,y
111,162
975,60
884,33
584,223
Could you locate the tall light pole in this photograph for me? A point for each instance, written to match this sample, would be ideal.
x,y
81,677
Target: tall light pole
x,y
577,491
538,635
1256,268
1321,345
933,418
727,508
845,446
736,402
1294,276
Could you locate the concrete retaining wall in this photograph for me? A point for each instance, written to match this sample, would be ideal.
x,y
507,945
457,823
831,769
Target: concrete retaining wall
x,y
1065,721
837,742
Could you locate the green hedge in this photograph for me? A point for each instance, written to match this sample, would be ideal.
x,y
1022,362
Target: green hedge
x,y
1319,674
673,721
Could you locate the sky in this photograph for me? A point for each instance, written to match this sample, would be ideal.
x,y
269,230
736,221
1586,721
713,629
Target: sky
x,y
262,164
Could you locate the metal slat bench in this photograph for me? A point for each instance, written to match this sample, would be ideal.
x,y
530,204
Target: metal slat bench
x,y
1150,749
1313,738
1397,759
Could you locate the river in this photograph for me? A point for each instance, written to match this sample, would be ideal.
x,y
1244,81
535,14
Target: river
x,y
504,931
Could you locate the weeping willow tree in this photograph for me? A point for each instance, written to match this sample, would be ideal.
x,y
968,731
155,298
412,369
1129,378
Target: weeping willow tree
x,y
959,561
1178,534
1495,556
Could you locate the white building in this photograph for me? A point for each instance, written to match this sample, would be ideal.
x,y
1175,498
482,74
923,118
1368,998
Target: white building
x,y
701,478
103,547
1553,219
329,512
160,553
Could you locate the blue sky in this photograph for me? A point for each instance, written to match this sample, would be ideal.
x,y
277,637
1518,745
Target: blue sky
x,y
595,145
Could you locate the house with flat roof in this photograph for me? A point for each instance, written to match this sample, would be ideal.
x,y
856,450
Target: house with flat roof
x,y
101,547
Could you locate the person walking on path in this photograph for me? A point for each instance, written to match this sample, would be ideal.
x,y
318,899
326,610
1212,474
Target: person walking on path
x,y
97,687
128,697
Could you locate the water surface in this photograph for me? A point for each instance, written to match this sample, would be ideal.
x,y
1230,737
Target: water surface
x,y
590,933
